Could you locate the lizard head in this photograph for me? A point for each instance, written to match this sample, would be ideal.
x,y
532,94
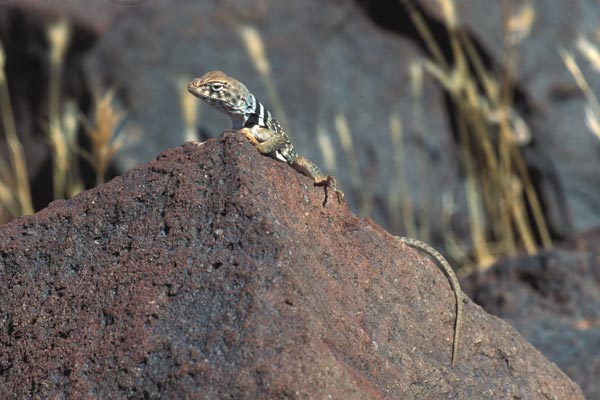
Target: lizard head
x,y
222,92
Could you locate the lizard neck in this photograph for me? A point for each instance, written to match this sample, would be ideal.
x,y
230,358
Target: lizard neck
x,y
247,112
258,115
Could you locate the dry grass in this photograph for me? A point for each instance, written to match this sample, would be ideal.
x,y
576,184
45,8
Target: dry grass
x,y
105,144
396,200
344,135
255,48
58,34
189,110
592,54
61,128
15,195
497,184
326,148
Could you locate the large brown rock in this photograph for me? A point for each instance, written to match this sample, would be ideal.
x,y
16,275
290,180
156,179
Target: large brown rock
x,y
215,272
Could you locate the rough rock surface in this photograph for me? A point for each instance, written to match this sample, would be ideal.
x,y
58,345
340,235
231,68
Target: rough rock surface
x,y
216,272
553,299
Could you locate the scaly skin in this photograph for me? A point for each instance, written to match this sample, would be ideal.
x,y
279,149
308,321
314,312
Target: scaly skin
x,y
255,122
417,244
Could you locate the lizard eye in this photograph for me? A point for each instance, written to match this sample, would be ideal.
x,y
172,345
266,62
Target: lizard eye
x,y
217,87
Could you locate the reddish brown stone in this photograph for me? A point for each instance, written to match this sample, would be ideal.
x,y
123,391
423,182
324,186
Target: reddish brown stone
x,y
215,272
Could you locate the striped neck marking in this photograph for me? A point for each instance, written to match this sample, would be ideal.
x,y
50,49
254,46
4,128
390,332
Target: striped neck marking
x,y
257,117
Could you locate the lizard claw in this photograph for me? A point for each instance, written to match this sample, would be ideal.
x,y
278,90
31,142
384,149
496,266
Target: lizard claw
x,y
329,182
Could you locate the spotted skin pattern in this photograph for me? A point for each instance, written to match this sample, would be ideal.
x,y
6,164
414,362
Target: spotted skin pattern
x,y
254,121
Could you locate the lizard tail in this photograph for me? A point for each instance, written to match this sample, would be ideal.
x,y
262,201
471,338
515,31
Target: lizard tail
x,y
449,272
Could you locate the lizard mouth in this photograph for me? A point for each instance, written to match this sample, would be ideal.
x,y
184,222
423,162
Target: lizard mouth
x,y
225,105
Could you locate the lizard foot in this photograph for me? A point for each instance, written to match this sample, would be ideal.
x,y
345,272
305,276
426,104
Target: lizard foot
x,y
329,182
246,132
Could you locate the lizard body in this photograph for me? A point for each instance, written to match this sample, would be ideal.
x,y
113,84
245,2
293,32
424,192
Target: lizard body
x,y
254,121
419,245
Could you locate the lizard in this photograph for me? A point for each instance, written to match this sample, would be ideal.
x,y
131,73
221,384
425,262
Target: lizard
x,y
256,123
449,272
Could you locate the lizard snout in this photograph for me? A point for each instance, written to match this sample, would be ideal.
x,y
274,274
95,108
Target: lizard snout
x,y
194,84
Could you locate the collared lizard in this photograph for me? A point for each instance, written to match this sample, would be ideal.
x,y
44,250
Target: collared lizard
x,y
258,125
254,121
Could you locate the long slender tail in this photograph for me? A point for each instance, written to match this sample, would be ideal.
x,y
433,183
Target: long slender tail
x,y
449,272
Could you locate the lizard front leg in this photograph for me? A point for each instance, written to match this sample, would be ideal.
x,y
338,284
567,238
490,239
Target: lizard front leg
x,y
277,142
269,146
249,135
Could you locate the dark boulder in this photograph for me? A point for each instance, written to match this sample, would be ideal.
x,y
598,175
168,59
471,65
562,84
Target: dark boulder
x,y
215,272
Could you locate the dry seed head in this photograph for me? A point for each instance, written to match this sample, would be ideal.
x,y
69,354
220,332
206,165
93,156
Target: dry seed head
x,y
58,34
107,118
449,13
590,51
519,24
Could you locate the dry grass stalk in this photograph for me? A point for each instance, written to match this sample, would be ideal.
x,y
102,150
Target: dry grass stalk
x,y
58,34
396,200
326,148
104,143
417,85
14,177
592,120
592,109
189,110
574,69
589,51
449,13
255,47
345,137
519,24
70,128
